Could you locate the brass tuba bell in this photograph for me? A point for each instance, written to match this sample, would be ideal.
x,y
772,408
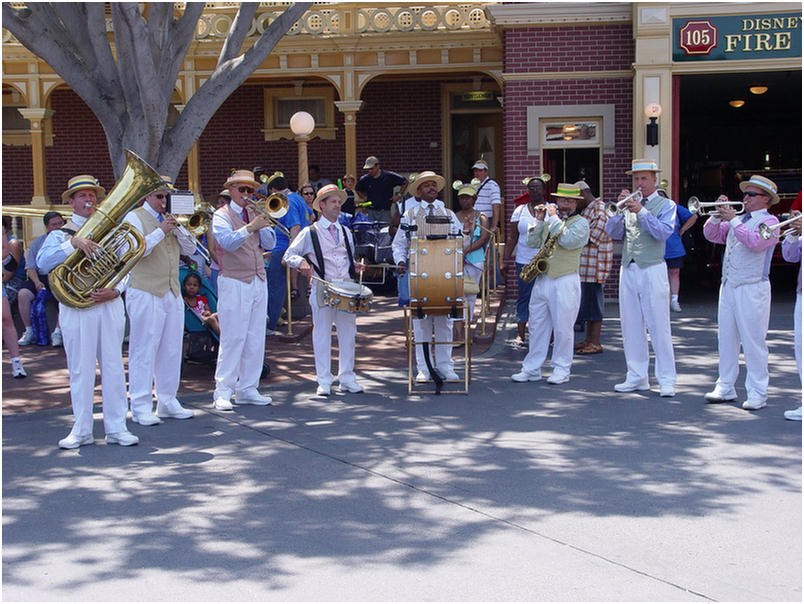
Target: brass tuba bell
x,y
122,245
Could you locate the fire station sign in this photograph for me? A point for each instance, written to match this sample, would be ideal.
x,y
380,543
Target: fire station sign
x,y
737,37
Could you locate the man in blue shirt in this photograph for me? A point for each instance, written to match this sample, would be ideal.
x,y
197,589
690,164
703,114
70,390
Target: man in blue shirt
x,y
377,186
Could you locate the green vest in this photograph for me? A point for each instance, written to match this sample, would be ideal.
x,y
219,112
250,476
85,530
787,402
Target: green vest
x,y
639,245
157,272
562,261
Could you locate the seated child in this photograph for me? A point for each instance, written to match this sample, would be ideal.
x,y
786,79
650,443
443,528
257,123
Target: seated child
x,y
198,303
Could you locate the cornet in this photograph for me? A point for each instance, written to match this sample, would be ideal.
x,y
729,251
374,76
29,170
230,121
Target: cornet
x,y
696,206
768,231
612,209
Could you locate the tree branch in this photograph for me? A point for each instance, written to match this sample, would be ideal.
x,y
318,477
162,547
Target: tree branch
x,y
237,33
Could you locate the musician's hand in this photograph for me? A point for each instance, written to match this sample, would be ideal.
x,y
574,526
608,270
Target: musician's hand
x,y
103,294
540,211
633,205
623,194
552,209
89,247
360,267
796,224
725,212
305,270
401,268
257,223
169,223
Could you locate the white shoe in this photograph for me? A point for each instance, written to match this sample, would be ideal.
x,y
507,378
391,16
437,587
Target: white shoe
x,y
667,391
222,404
448,375
17,370
124,439
753,404
526,376
720,396
352,387
173,409
252,398
73,442
55,338
793,414
323,390
145,419
27,337
558,378
627,386
422,377
675,306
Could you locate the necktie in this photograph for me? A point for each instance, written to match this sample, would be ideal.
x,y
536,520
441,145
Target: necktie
x,y
430,208
159,217
746,218
245,216
332,233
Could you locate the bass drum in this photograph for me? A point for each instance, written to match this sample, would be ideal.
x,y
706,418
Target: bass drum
x,y
436,275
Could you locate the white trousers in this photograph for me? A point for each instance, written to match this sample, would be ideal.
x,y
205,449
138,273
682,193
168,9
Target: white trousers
x,y
553,308
644,295
743,315
423,329
242,312
90,335
476,273
154,348
346,326
797,328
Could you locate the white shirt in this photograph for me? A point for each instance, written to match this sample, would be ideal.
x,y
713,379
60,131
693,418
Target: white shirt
x,y
400,245
230,239
187,243
488,196
524,220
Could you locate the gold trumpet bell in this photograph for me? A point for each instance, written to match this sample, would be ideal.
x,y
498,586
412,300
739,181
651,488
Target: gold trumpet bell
x,y
196,224
276,205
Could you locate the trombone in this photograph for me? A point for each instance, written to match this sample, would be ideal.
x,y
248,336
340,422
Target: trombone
x,y
194,226
768,231
273,208
612,208
707,208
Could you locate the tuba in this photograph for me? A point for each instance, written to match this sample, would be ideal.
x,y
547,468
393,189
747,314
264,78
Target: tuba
x,y
121,244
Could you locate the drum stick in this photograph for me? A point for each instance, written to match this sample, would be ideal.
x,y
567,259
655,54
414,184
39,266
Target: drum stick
x,y
360,280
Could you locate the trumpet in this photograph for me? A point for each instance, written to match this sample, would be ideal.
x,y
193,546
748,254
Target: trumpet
x,y
768,231
612,208
272,207
707,208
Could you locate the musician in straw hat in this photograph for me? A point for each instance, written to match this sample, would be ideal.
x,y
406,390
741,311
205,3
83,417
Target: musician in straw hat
x,y
644,288
556,295
743,311
325,250
93,334
426,187
156,312
242,235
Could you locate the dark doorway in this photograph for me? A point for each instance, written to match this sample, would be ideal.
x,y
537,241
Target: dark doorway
x,y
570,165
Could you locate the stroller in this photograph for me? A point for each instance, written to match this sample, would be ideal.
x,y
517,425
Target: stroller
x,y
373,245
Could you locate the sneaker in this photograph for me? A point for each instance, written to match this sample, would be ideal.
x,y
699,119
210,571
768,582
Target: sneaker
x,y
675,306
124,439
526,376
252,398
449,375
753,404
173,410
353,387
518,344
17,370
793,414
667,391
73,442
145,419
323,390
719,395
55,338
558,378
222,404
27,337
627,386
422,377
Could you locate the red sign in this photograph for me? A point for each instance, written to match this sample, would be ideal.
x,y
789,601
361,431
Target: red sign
x,y
697,37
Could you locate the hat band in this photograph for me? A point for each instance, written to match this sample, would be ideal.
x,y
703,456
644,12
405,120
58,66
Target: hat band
x,y
762,185
83,183
568,191
645,166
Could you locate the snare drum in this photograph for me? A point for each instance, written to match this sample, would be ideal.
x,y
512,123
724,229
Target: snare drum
x,y
347,296
436,274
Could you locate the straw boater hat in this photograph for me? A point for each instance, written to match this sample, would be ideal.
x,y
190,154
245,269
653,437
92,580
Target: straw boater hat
x,y
424,177
568,191
766,184
242,176
81,182
643,165
168,182
325,192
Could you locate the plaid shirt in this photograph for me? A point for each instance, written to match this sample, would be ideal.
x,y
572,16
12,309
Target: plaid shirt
x,y
597,255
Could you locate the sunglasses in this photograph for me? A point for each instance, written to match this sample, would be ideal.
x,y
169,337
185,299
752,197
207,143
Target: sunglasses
x,y
245,189
308,193
754,194
161,195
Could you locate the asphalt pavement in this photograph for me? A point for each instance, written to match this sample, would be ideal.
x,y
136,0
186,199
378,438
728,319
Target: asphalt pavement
x,y
519,492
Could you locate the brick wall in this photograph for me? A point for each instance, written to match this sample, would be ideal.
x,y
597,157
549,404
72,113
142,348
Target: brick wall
x,y
563,49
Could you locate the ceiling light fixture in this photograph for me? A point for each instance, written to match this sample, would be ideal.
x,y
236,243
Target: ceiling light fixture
x,y
737,103
758,89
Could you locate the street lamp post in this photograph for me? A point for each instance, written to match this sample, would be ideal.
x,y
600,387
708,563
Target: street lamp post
x,y
302,125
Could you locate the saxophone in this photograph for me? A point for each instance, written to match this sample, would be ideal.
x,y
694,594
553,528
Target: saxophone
x,y
541,261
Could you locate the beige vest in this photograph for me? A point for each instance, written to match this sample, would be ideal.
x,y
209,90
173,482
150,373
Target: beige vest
x,y
245,262
562,261
418,216
157,272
